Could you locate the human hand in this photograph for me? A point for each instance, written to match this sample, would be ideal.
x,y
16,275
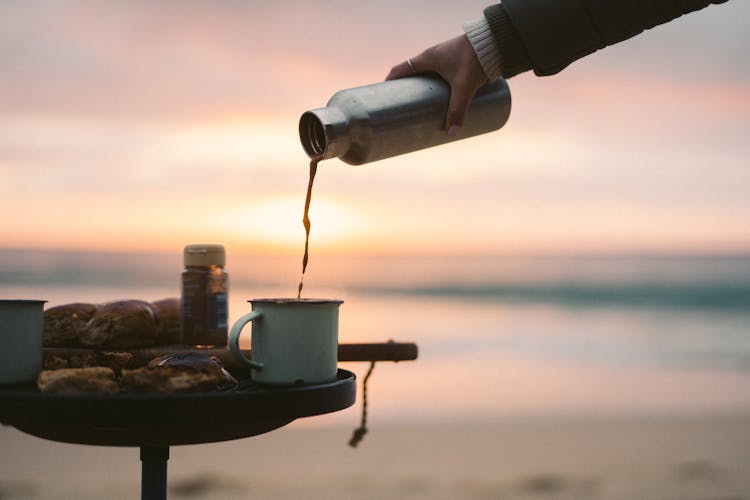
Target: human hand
x,y
457,63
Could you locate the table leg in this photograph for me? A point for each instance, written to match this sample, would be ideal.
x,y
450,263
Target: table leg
x,y
154,472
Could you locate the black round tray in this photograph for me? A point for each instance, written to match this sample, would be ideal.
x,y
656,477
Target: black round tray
x,y
170,419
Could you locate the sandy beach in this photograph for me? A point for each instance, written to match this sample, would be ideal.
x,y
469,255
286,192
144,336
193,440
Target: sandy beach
x,y
701,458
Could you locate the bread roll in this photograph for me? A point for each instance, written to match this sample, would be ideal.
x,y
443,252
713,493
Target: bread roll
x,y
64,324
118,361
177,373
83,360
79,358
167,315
78,380
55,362
121,324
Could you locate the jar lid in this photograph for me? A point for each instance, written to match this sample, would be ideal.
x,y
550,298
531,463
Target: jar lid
x,y
204,255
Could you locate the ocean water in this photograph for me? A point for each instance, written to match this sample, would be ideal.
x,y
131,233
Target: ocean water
x,y
498,336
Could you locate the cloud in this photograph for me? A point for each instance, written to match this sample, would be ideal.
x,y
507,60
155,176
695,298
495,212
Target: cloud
x,y
192,58
192,108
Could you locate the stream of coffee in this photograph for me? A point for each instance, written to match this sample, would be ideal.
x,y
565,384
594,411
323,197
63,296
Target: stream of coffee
x,y
306,222
359,433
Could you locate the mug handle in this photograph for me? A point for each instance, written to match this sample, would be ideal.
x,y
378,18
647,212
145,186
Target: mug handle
x,y
234,339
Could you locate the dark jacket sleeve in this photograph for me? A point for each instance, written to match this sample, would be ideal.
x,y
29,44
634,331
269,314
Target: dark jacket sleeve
x,y
548,35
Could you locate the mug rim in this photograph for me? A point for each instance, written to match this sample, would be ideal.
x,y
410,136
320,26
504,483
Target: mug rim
x,y
290,300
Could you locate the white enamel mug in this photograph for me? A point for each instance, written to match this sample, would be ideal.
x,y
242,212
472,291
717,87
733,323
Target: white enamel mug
x,y
294,341
21,327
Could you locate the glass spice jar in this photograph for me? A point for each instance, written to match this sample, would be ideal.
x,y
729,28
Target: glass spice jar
x,y
204,288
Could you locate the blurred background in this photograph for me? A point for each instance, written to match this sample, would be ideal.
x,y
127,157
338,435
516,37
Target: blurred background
x,y
578,282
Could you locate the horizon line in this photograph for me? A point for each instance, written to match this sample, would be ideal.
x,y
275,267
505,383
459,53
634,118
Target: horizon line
x,y
573,254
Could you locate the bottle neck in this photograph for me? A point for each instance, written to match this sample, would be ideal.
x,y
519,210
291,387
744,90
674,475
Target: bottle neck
x,y
324,133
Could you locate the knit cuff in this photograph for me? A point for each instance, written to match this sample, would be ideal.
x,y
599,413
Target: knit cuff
x,y
479,34
515,58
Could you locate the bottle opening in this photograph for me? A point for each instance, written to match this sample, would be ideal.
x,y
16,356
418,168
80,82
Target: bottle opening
x,y
313,135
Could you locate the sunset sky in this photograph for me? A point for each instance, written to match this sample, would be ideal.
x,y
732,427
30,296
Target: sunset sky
x,y
146,125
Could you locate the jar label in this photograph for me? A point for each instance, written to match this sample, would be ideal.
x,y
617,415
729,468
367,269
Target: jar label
x,y
219,308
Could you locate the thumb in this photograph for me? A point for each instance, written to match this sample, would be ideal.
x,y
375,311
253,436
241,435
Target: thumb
x,y
458,107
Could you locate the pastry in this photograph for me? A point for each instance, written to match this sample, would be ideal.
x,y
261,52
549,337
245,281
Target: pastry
x,y
167,315
64,324
118,361
78,380
177,373
55,362
83,360
121,324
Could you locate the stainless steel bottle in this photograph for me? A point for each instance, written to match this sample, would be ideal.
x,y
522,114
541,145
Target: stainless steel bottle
x,y
386,119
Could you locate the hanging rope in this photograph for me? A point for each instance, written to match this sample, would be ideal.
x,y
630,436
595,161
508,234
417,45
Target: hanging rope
x,y
359,433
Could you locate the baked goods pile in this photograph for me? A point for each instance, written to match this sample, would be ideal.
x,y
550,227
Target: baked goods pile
x,y
104,366
166,374
121,324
